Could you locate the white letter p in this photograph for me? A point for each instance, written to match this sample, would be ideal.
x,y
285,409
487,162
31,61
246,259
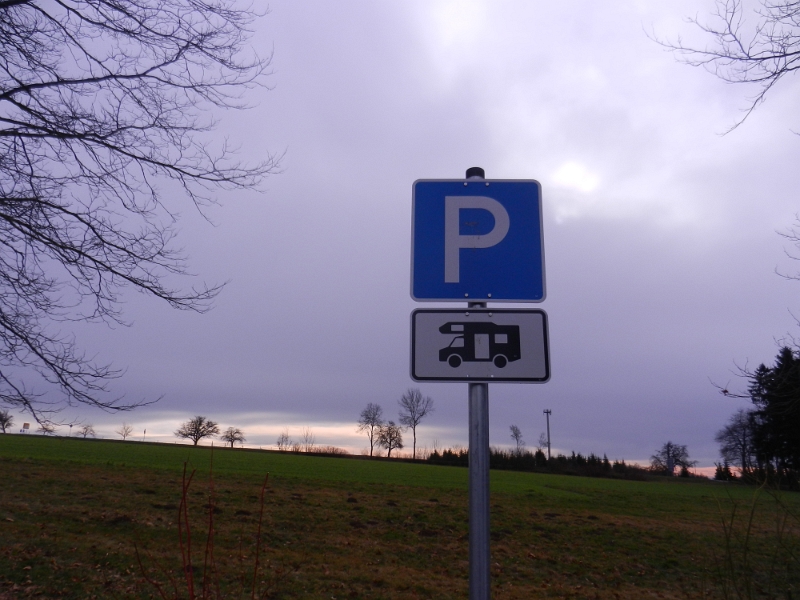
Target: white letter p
x,y
454,241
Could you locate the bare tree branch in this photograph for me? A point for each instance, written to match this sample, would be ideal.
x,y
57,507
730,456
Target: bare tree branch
x,y
413,408
670,456
370,421
390,436
105,107
760,50
124,431
197,428
233,435
516,435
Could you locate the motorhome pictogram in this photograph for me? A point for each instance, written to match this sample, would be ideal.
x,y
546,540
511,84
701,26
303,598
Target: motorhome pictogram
x,y
480,342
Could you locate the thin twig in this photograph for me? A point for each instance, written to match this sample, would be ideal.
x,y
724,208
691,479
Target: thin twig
x,y
258,537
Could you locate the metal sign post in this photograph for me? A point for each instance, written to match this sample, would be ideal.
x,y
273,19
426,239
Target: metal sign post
x,y
479,538
476,241
480,582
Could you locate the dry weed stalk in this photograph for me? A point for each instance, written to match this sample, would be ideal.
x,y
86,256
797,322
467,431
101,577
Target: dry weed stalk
x,y
746,572
210,582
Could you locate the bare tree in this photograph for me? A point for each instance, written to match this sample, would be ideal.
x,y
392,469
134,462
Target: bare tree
x,y
390,436
308,440
370,421
197,428
124,431
233,435
670,456
736,440
284,442
46,429
413,408
542,443
516,435
86,431
6,420
105,113
792,235
759,50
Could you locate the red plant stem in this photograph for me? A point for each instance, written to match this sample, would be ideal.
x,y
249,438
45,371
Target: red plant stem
x,y
258,538
209,554
148,579
183,519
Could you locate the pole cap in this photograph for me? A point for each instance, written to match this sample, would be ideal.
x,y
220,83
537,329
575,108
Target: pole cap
x,y
476,172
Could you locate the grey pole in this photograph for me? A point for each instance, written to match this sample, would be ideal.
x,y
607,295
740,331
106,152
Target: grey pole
x,y
547,412
479,558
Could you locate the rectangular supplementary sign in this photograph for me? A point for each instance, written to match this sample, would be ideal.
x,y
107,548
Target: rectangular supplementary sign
x,y
480,345
477,240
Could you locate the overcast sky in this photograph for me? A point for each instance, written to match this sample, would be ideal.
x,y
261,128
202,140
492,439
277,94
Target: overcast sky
x,y
660,232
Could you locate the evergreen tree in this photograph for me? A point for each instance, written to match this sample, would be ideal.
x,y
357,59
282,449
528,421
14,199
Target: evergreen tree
x,y
775,392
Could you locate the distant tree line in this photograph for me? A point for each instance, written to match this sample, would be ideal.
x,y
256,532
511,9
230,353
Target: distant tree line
x,y
763,442
521,459
201,427
307,443
536,461
663,462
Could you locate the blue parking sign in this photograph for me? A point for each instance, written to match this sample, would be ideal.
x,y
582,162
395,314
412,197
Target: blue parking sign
x,y
477,240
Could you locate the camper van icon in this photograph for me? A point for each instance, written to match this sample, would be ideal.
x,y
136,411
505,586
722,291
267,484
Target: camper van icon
x,y
480,342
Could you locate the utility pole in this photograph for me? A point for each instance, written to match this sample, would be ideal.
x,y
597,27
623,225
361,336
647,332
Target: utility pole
x,y
547,413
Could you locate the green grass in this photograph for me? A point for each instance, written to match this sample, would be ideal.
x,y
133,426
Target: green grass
x,y
652,498
229,461
72,511
354,469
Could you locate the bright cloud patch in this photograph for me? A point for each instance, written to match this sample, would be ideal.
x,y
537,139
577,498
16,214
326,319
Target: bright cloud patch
x,y
577,177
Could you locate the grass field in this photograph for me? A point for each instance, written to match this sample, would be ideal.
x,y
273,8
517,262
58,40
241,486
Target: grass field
x,y
73,513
